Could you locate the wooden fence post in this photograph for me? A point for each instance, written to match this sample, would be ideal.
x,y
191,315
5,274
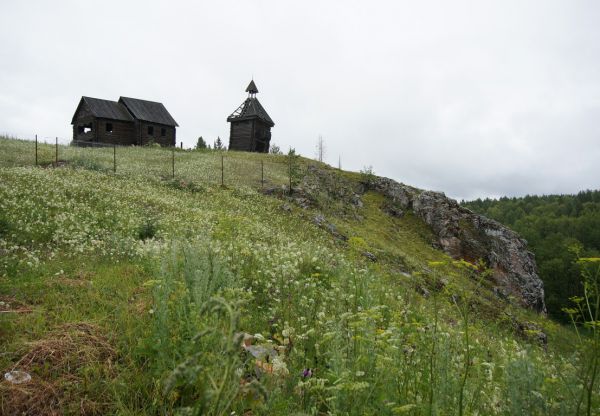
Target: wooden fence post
x,y
173,159
290,172
56,155
114,158
262,174
36,153
222,171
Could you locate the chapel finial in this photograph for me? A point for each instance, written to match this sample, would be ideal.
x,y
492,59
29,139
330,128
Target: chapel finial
x,y
252,88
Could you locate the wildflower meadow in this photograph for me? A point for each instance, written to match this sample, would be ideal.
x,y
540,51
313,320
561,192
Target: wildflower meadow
x,y
135,293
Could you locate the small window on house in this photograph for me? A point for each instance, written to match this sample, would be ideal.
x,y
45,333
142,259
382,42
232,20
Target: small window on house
x,y
109,127
84,128
163,132
150,130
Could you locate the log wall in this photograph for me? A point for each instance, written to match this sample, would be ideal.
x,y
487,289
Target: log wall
x,y
249,136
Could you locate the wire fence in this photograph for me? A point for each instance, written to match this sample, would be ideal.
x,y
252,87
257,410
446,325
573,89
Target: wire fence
x,y
203,166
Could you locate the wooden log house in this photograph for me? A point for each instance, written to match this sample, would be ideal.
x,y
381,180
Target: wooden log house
x,y
129,121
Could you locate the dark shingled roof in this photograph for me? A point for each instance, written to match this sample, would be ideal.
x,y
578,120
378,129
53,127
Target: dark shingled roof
x,y
250,109
104,109
148,111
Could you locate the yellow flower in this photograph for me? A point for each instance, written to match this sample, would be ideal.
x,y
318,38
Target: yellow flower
x,y
589,260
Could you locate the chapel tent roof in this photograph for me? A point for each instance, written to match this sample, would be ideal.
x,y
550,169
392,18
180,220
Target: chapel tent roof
x,y
249,109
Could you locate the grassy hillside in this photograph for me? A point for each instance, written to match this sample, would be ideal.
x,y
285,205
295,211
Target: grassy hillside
x,y
557,227
133,293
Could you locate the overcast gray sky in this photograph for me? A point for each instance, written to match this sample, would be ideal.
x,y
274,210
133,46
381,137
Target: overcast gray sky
x,y
473,98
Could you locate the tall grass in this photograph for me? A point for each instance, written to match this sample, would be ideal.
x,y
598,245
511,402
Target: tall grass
x,y
240,168
586,314
359,349
193,348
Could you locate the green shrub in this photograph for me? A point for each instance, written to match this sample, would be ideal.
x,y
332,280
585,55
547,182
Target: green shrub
x,y
183,185
4,226
89,164
367,176
147,230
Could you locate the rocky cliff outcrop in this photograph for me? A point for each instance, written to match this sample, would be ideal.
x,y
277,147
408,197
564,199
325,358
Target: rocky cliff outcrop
x,y
459,232
463,234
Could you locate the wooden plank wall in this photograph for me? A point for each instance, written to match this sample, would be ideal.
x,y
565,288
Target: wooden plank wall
x,y
240,137
247,136
123,132
143,138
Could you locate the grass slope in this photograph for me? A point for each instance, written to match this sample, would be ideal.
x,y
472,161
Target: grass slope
x,y
133,293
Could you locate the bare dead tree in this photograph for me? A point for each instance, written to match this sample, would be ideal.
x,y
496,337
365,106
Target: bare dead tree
x,y
321,149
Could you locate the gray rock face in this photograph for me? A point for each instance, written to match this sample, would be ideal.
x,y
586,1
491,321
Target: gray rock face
x,y
321,221
462,234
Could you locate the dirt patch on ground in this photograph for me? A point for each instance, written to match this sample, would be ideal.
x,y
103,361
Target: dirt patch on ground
x,y
65,281
9,304
57,364
141,306
81,279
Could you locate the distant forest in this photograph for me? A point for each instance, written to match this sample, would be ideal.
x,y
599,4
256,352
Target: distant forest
x,y
551,225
